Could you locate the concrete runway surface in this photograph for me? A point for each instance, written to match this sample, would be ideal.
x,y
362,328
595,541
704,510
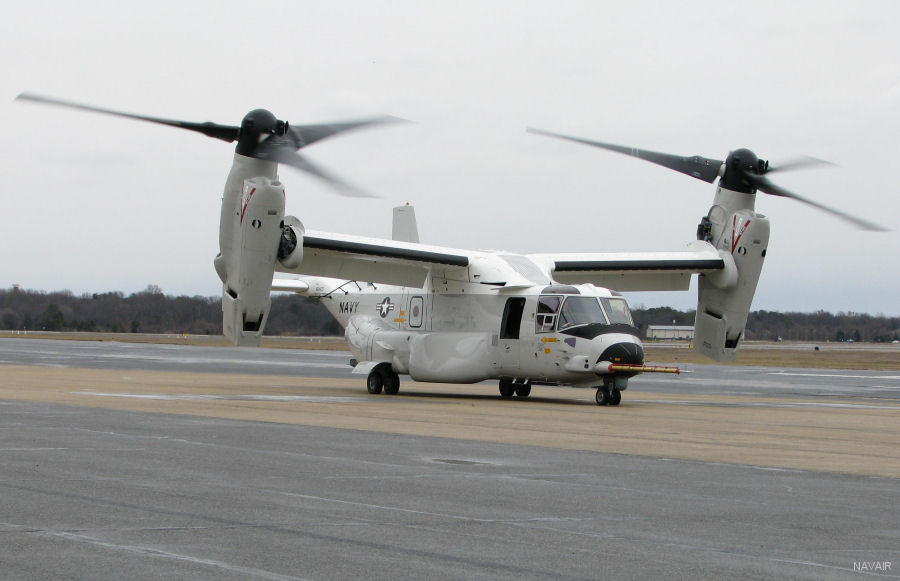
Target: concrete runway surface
x,y
147,461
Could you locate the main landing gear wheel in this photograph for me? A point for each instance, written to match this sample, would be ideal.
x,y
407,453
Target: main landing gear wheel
x,y
523,390
507,389
391,382
375,382
383,378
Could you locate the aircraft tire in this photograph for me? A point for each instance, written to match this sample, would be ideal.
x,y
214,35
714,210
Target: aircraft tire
x,y
603,396
391,382
507,389
523,390
375,382
615,396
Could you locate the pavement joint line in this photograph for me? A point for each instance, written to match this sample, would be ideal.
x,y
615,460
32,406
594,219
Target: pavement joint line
x,y
153,552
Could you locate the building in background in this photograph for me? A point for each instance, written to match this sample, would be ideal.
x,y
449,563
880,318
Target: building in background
x,y
670,332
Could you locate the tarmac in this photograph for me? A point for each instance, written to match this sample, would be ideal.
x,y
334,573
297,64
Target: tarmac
x,y
146,461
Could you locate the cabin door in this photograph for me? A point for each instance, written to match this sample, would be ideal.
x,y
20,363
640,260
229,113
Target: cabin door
x,y
510,328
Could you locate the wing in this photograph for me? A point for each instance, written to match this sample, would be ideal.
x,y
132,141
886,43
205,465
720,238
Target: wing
x,y
636,271
376,260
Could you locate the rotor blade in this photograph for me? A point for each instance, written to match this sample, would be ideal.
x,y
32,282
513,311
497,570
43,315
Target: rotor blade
x,y
764,185
799,162
287,156
695,166
303,135
224,132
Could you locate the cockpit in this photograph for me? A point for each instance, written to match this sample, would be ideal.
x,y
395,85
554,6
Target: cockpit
x,y
558,313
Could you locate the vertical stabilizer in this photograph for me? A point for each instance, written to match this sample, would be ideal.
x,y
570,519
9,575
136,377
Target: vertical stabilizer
x,y
404,227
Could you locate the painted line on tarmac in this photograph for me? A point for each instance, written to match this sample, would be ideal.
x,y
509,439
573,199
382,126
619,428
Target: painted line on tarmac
x,y
852,406
247,397
839,376
346,399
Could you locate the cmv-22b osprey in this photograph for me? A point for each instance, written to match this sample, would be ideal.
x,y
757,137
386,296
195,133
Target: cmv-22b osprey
x,y
459,316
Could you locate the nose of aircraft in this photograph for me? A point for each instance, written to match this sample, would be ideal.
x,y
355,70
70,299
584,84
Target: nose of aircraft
x,y
623,353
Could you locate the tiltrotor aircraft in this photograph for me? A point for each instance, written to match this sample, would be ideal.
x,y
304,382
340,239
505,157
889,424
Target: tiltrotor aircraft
x,y
461,316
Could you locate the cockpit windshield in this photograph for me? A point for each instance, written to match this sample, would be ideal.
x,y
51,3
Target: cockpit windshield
x,y
565,312
618,311
580,311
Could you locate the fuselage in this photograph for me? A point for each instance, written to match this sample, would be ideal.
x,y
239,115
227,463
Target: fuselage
x,y
541,334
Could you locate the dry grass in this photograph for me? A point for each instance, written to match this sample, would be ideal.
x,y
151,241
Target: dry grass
x,y
875,356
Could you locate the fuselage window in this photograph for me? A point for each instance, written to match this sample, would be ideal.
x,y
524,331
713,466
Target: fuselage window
x,y
416,311
617,310
546,314
580,311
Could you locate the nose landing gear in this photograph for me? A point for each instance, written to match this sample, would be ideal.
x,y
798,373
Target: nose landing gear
x,y
608,396
608,393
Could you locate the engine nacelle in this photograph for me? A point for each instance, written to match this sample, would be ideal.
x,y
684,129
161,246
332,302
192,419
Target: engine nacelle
x,y
724,301
250,264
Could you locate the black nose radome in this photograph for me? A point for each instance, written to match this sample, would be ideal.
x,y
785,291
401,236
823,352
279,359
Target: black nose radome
x,y
623,353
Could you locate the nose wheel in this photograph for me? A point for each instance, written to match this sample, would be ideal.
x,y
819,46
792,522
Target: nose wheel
x,y
608,396
615,396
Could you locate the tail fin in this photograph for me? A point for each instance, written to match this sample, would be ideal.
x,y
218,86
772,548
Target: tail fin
x,y
404,226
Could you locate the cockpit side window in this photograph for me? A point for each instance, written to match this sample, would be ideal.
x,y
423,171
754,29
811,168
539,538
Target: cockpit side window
x,y
545,318
580,311
617,310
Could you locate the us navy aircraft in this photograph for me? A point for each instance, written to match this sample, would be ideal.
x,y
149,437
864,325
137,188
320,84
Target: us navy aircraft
x,y
461,316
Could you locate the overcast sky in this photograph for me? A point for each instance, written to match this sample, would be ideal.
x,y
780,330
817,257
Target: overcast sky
x,y
93,204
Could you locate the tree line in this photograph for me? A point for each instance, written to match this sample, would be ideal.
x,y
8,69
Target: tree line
x,y
152,311
774,326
